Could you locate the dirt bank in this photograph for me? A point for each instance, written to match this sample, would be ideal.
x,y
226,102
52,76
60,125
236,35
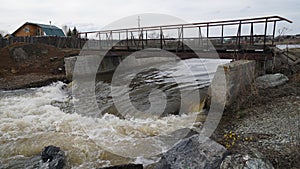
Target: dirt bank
x,y
30,65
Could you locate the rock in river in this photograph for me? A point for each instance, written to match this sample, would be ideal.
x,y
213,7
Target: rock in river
x,y
51,158
193,152
54,156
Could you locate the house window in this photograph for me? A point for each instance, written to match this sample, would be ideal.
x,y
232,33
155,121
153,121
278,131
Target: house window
x,y
26,30
38,32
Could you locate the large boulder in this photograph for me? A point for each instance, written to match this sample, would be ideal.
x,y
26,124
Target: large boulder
x,y
193,152
238,161
271,80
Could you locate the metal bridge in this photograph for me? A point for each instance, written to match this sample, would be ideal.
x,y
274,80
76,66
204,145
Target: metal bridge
x,y
251,38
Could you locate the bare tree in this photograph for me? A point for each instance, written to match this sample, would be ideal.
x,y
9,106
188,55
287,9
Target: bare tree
x,y
282,32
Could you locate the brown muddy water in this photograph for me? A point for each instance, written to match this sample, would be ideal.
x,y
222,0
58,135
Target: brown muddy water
x,y
31,119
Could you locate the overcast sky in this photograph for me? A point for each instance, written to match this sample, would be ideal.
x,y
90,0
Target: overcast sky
x,y
89,15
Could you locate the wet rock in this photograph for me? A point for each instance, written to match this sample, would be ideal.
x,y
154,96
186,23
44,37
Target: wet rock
x,y
238,161
193,152
125,166
51,158
18,162
271,80
54,156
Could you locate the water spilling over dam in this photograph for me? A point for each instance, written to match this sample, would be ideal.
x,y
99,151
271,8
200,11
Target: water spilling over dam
x,y
36,117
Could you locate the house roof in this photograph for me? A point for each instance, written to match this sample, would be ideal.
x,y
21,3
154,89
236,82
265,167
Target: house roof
x,y
49,30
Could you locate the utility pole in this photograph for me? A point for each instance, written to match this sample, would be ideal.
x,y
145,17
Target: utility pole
x,y
139,25
50,25
139,22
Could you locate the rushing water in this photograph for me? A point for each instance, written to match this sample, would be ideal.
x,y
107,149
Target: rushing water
x,y
31,119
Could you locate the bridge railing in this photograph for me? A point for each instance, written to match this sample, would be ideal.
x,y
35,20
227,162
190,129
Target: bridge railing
x,y
177,36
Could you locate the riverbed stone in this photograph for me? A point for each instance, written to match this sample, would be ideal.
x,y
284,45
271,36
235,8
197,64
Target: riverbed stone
x,y
193,152
239,161
271,80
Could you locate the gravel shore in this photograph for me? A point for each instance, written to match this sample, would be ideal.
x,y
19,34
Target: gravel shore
x,y
268,125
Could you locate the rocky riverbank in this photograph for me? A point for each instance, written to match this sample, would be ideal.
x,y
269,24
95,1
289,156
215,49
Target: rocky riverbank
x,y
266,126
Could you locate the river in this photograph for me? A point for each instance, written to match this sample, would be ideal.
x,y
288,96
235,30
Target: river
x,y
33,118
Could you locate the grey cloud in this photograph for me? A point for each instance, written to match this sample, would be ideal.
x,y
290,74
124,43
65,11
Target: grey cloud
x,y
93,14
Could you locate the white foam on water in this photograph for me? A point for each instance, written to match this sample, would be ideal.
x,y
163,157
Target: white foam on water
x,y
28,122
135,137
